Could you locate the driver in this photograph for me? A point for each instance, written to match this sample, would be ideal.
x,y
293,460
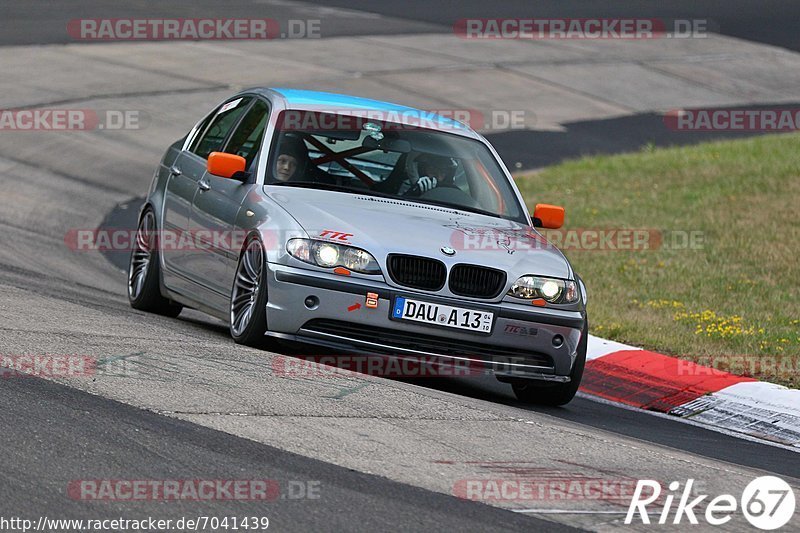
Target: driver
x,y
431,171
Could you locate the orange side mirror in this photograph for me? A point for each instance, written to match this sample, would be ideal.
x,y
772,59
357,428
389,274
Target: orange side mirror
x,y
548,216
225,165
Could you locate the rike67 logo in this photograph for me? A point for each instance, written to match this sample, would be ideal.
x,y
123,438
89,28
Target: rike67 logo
x,y
767,503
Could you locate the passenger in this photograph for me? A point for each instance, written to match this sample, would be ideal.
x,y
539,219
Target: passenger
x,y
292,161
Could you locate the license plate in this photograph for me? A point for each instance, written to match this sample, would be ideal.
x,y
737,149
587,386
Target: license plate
x,y
442,315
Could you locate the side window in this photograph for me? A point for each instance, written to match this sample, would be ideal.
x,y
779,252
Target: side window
x,y
226,117
246,139
198,134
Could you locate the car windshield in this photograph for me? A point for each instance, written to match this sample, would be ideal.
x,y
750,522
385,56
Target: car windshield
x,y
410,162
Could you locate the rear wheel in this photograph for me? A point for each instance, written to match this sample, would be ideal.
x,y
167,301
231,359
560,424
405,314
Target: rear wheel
x,y
536,392
144,271
248,310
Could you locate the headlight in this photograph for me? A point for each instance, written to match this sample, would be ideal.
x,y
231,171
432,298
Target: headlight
x,y
301,249
329,255
326,255
552,290
357,259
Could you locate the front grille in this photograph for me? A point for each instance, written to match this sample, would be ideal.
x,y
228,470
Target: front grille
x,y
417,272
476,281
426,343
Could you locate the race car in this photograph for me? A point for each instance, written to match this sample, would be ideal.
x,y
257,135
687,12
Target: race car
x,y
364,227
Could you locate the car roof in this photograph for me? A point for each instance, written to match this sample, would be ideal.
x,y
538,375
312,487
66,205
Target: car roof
x,y
333,102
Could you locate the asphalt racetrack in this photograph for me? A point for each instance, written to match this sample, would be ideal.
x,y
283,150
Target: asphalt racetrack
x,y
178,400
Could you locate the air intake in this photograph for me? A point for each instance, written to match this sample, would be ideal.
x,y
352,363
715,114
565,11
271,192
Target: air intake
x,y
417,272
476,281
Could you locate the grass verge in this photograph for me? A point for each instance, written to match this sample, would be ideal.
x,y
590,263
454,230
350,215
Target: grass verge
x,y
722,287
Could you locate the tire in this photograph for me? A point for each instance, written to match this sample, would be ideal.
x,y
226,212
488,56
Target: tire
x,y
144,271
248,307
555,394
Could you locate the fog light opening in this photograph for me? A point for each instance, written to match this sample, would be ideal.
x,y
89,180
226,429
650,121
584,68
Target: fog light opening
x,y
311,302
558,340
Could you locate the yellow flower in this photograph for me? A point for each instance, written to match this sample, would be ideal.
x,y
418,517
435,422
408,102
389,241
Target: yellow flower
x,y
712,324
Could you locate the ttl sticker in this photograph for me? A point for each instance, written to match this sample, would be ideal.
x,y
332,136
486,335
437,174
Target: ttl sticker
x,y
372,300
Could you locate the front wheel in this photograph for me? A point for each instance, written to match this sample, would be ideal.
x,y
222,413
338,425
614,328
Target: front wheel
x,y
534,392
248,310
144,271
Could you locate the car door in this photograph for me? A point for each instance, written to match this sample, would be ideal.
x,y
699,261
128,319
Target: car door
x,y
193,166
184,174
217,202
181,186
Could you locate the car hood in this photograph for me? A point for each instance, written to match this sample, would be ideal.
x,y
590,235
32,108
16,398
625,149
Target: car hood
x,y
386,225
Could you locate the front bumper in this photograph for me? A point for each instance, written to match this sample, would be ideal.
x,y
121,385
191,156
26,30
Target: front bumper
x,y
524,341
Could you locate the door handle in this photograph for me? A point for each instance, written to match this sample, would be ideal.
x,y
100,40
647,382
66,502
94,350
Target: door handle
x,y
204,185
175,171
